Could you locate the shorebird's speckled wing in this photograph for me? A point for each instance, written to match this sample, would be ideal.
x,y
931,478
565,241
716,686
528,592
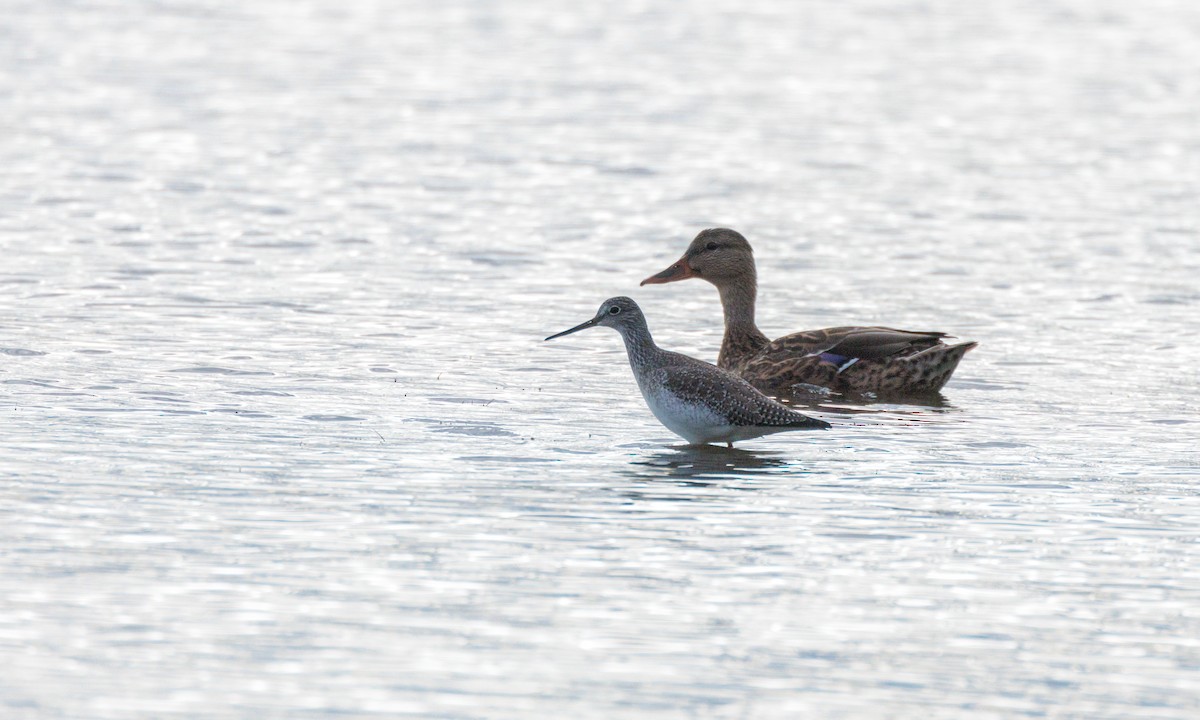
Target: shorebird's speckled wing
x,y
727,395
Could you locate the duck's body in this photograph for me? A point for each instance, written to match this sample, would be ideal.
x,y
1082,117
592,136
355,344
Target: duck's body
x,y
695,400
857,360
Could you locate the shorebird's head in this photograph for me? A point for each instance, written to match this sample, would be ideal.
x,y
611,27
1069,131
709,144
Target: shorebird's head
x,y
718,255
619,313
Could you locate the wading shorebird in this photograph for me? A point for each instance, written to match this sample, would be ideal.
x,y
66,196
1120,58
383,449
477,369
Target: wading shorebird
x,y
695,400
876,360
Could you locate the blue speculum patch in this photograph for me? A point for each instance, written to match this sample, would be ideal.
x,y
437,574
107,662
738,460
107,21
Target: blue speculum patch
x,y
841,361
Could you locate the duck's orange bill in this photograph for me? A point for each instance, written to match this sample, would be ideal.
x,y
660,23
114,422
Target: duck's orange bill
x,y
679,271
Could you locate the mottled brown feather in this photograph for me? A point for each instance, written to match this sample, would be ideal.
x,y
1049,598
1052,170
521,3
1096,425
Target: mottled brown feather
x,y
886,360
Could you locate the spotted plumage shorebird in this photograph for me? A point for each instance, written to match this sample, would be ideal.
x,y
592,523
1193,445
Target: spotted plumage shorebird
x,y
878,360
695,400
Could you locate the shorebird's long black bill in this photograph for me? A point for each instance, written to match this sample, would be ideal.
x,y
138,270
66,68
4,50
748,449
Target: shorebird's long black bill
x,y
577,328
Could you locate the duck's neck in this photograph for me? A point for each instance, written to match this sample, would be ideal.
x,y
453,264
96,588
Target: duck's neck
x,y
742,336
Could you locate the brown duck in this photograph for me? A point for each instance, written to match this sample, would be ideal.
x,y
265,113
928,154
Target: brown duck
x,y
878,360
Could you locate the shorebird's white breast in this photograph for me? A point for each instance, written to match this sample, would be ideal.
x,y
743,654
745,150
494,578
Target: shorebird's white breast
x,y
693,421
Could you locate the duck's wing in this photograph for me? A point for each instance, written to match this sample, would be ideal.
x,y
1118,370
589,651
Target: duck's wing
x,y
730,396
865,343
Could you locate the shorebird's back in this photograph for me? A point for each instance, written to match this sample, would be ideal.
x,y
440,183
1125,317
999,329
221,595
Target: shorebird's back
x,y
703,403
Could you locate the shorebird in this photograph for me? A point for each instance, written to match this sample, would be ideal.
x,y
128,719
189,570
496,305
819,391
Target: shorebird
x,y
695,400
878,360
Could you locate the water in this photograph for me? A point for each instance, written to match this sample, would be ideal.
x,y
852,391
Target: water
x,y
281,438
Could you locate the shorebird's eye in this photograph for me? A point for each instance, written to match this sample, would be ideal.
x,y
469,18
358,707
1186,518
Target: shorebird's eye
x,y
614,310
711,246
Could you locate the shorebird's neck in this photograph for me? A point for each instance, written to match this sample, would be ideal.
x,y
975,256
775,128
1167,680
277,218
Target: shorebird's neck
x,y
639,345
742,336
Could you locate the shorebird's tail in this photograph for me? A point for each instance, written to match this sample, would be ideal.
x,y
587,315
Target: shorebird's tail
x,y
809,423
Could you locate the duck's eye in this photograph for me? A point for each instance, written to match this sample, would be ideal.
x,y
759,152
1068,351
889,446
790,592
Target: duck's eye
x,y
711,246
614,310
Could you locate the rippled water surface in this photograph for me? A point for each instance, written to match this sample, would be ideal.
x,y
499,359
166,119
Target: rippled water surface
x,y
281,438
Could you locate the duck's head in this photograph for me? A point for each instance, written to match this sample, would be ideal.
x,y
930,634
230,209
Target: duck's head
x,y
619,313
718,255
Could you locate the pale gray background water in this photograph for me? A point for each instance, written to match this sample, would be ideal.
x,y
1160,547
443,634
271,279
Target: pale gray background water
x,y
281,438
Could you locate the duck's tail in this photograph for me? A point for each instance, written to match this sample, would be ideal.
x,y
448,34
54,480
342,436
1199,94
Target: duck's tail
x,y
933,367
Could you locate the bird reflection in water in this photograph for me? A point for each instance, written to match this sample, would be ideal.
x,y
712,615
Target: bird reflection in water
x,y
815,398
871,409
694,464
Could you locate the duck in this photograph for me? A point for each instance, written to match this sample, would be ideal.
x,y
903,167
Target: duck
x,y
694,399
879,361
